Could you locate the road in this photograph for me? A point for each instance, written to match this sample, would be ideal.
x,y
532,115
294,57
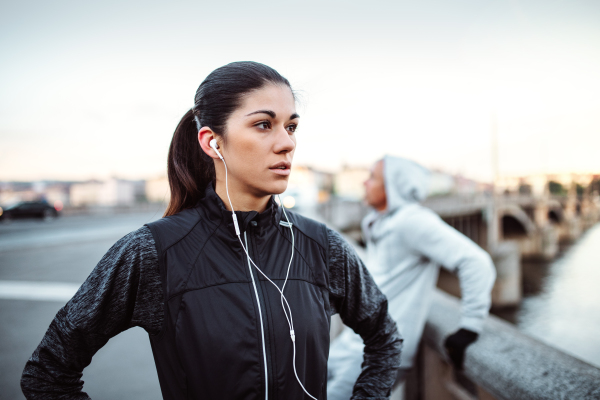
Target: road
x,y
41,264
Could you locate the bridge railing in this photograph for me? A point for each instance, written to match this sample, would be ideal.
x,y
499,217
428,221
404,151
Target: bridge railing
x,y
503,364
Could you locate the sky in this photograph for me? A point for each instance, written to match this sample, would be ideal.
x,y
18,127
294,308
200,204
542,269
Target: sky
x,y
92,90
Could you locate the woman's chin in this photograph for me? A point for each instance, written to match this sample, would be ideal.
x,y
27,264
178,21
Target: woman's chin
x,y
277,187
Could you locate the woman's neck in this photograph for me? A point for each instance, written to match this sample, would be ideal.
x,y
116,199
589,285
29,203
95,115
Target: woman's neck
x,y
241,198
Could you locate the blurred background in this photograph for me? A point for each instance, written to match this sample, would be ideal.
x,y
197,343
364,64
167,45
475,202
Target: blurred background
x,y
498,99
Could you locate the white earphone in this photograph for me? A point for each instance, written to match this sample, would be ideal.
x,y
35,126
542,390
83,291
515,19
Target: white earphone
x,y
215,147
290,321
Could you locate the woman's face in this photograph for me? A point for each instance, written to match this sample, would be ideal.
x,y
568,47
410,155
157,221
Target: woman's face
x,y
260,141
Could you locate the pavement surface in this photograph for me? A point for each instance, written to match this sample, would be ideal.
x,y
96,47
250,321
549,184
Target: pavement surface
x,y
41,264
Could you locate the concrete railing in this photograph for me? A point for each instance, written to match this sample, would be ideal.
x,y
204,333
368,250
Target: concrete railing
x,y
503,364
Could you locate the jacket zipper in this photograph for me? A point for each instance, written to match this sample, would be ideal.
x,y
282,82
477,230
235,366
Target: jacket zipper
x,y
262,327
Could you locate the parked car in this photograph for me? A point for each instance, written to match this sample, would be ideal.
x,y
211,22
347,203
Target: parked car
x,y
28,209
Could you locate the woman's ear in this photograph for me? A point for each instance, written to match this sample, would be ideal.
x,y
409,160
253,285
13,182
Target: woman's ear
x,y
205,135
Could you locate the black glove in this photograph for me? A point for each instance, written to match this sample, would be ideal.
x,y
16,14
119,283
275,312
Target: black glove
x,y
457,343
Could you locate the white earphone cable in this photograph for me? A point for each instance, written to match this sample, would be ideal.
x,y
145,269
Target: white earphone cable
x,y
289,317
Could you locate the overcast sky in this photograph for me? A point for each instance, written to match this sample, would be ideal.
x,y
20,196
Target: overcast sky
x,y
96,89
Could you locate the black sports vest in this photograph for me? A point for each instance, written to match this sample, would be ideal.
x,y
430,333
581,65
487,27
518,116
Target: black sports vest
x,y
225,336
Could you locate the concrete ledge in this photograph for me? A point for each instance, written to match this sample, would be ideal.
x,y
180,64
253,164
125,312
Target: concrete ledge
x,y
510,365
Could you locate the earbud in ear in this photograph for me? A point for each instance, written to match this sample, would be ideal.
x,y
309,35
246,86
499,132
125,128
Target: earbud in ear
x,y
215,147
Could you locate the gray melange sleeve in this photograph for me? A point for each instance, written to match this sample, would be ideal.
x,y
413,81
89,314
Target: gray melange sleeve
x,y
362,307
124,290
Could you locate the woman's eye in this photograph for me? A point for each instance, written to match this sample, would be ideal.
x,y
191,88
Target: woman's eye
x,y
263,125
292,128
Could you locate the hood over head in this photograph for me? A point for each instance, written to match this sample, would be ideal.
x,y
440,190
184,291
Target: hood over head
x,y
406,182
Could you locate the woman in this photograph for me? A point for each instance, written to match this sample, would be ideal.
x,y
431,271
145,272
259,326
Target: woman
x,y
235,294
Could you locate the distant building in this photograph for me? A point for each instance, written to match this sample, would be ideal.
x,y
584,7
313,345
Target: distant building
x,y
535,185
348,183
57,194
13,192
85,193
441,183
113,192
306,188
466,186
139,191
538,184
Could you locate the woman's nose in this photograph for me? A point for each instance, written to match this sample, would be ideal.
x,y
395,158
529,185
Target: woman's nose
x,y
285,142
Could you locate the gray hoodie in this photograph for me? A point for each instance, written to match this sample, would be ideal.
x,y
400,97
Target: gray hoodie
x,y
406,245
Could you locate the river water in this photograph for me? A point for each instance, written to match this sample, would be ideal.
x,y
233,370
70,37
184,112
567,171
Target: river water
x,y
562,299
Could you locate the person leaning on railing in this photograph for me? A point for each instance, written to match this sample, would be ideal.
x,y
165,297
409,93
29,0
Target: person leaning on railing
x,y
406,245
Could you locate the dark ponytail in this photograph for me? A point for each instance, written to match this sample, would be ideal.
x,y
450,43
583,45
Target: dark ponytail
x,y
189,169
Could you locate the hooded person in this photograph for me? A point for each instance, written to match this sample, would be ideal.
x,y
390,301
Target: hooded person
x,y
406,245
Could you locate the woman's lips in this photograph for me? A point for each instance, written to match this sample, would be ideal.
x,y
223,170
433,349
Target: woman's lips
x,y
282,168
281,171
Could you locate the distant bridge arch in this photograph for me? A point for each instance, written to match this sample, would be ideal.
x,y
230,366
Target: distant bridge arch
x,y
515,222
556,213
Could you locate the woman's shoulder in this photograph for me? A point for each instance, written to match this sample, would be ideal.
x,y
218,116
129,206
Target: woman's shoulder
x,y
141,236
168,230
184,219
312,228
136,243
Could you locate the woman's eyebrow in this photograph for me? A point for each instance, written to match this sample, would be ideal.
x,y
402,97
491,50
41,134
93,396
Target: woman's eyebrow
x,y
268,112
271,114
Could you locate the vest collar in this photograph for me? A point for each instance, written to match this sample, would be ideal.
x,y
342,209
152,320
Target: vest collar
x,y
215,207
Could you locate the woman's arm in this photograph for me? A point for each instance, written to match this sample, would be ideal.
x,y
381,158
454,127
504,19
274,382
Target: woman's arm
x,y
362,307
124,290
